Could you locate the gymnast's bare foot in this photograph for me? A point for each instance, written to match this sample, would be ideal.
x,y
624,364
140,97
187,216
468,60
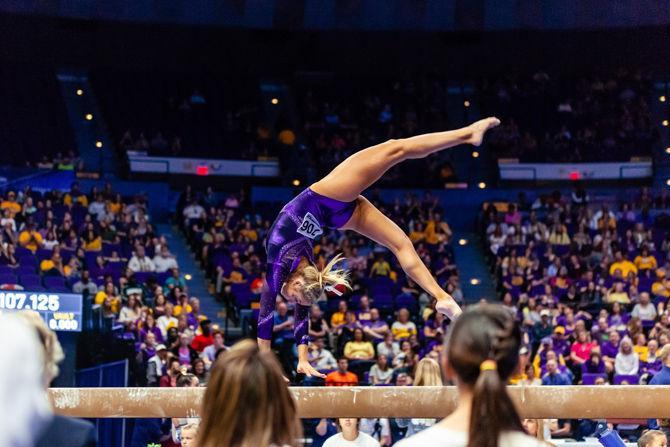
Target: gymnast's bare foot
x,y
479,128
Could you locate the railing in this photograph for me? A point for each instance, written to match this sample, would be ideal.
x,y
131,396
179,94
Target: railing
x,y
563,402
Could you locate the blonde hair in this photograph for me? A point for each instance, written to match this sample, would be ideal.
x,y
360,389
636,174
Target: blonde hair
x,y
665,353
427,373
53,352
648,437
247,403
316,280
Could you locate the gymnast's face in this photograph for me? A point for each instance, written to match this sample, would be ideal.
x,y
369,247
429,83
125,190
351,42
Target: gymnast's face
x,y
292,291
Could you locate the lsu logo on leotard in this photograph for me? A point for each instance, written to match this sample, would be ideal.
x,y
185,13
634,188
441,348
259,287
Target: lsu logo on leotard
x,y
310,227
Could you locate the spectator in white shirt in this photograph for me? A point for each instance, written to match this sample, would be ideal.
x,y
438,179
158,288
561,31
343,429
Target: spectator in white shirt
x,y
164,261
321,358
165,322
644,310
627,362
388,347
350,435
97,207
209,353
140,262
193,211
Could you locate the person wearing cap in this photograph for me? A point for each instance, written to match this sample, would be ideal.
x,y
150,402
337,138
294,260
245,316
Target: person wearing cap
x,y
560,343
541,357
542,328
156,365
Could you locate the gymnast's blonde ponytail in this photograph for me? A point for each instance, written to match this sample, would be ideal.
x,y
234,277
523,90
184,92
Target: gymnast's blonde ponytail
x,y
317,280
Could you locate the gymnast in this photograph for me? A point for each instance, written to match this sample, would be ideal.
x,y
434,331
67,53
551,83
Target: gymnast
x,y
336,202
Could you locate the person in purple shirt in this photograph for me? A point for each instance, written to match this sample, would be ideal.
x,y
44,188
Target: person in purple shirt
x,y
376,328
336,202
594,365
610,348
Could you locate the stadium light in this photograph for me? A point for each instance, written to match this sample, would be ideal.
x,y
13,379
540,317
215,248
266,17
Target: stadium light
x,y
296,182
665,123
98,144
274,101
481,185
662,98
79,92
475,154
667,150
466,103
89,116
474,281
187,277
462,242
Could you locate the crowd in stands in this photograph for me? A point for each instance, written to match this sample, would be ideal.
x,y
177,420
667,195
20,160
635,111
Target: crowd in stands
x,y
35,121
169,114
548,118
345,116
228,237
104,246
589,284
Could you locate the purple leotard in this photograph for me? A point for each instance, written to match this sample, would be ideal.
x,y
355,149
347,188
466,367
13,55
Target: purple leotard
x,y
291,237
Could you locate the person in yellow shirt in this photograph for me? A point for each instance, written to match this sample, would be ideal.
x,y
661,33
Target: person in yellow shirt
x,y
620,263
249,232
31,239
183,306
417,234
109,293
92,241
661,287
644,261
403,328
380,267
11,204
359,348
640,347
337,319
54,265
75,196
617,294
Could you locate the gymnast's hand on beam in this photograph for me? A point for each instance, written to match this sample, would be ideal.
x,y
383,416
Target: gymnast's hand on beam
x,y
308,370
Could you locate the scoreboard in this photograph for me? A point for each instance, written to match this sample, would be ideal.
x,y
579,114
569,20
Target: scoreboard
x,y
60,311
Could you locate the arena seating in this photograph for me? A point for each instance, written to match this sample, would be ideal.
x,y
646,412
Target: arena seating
x,y
33,121
590,267
551,118
196,115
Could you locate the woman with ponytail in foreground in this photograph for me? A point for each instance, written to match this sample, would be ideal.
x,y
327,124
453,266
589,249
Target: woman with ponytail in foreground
x,y
336,202
482,352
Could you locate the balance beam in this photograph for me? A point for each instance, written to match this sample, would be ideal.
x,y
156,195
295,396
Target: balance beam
x,y
537,402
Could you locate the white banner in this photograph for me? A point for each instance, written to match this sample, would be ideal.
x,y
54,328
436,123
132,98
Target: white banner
x,y
140,162
512,170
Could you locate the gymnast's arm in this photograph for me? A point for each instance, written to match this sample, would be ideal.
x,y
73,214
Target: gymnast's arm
x,y
301,332
266,317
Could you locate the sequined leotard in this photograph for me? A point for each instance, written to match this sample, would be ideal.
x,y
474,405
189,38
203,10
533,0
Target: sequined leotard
x,y
291,238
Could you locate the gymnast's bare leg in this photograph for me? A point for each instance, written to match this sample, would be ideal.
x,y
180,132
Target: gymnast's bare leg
x,y
355,174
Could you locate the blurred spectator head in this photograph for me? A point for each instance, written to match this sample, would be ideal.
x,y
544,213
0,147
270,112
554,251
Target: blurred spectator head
x,y
482,353
247,401
342,365
189,435
27,368
428,373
